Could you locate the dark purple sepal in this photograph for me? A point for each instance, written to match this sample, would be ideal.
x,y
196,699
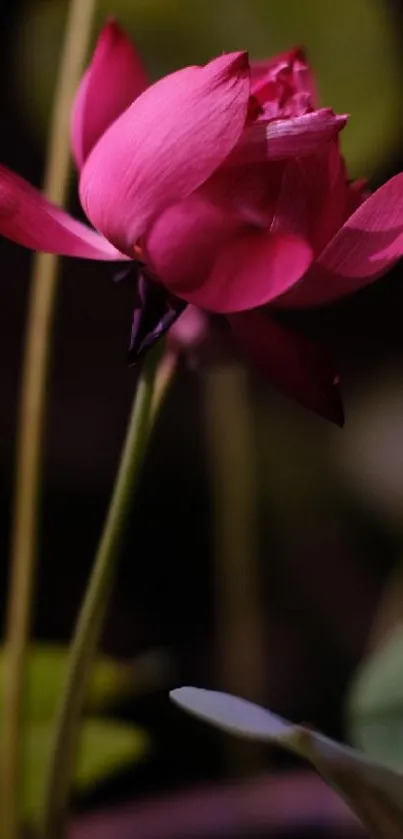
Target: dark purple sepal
x,y
154,313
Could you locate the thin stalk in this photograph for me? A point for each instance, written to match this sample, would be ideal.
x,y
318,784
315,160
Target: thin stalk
x,y
239,624
30,436
94,607
164,378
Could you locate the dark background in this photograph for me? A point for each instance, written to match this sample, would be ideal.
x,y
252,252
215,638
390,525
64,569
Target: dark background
x,y
330,502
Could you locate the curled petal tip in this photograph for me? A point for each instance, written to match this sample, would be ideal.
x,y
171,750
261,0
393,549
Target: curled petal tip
x,y
342,119
238,60
298,52
112,29
110,24
231,63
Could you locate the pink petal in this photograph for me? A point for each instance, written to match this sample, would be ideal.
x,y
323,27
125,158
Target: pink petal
x,y
283,138
286,75
358,192
186,240
251,270
26,217
291,361
313,198
164,146
112,82
367,245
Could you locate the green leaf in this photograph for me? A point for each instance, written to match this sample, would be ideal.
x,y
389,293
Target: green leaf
x,y
105,746
46,669
375,702
373,791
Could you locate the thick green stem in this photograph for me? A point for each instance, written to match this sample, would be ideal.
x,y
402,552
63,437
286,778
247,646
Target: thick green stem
x,y
239,620
31,425
94,607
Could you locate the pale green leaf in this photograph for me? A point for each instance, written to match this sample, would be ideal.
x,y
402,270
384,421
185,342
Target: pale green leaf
x,y
375,702
372,790
110,681
105,747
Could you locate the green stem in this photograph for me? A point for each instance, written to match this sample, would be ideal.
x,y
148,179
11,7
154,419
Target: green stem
x,y
94,607
239,620
31,425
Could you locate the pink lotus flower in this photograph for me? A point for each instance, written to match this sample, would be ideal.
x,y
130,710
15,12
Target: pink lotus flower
x,y
225,182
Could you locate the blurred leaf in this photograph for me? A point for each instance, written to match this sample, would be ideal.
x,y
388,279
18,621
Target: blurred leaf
x,y
375,702
373,791
354,47
104,748
110,681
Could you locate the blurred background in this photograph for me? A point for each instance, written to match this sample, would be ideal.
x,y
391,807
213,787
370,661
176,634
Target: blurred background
x,y
293,600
